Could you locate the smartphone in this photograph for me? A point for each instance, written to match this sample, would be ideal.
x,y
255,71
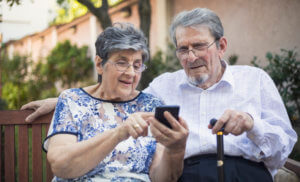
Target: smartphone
x,y
159,113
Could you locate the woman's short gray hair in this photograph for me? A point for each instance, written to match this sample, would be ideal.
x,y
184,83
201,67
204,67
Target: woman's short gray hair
x,y
198,16
121,36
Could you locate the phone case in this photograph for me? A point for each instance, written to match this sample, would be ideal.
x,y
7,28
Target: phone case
x,y
159,113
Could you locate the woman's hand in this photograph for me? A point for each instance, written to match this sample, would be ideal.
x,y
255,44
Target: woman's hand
x,y
136,125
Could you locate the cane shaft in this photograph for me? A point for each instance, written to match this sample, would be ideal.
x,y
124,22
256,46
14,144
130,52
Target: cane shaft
x,y
220,156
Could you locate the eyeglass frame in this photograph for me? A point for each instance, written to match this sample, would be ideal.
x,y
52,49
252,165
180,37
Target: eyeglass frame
x,y
202,48
143,66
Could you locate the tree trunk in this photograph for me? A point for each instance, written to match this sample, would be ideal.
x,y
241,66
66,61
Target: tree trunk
x,y
104,18
100,13
145,17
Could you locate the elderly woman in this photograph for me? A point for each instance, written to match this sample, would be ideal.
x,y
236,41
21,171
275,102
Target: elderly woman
x,y
100,132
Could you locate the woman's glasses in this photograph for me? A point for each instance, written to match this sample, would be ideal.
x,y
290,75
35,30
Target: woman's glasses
x,y
122,66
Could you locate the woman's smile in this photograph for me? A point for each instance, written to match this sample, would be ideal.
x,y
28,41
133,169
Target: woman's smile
x,y
126,82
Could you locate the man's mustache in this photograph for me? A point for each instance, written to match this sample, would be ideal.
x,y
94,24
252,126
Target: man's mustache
x,y
197,63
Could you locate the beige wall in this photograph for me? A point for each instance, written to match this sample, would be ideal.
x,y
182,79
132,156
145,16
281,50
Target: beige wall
x,y
77,34
253,27
41,44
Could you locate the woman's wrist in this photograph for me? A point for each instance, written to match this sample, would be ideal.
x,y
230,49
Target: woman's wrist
x,y
121,132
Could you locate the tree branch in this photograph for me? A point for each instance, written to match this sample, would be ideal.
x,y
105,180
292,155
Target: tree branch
x,y
100,13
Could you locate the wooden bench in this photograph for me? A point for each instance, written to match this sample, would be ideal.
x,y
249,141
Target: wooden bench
x,y
12,122
15,151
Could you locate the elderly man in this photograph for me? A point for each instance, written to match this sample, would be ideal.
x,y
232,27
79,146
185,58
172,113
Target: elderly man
x,y
244,99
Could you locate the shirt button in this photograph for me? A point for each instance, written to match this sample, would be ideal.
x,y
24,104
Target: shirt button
x,y
251,136
258,156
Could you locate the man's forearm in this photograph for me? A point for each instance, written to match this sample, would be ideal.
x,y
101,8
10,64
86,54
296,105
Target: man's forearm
x,y
170,167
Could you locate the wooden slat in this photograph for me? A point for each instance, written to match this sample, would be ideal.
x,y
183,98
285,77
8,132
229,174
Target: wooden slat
x,y
49,176
293,166
12,117
1,153
23,153
9,153
37,153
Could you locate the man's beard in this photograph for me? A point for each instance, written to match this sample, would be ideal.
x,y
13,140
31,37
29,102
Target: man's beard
x,y
197,81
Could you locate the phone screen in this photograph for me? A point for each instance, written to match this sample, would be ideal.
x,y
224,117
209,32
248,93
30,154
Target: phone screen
x,y
159,113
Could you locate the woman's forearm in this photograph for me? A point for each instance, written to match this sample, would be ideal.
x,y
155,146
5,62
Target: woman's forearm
x,y
74,159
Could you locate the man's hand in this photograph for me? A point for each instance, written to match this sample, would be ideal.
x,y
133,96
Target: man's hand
x,y
41,107
173,139
235,122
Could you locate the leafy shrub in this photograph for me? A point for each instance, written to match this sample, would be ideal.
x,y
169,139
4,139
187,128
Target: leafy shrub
x,y
160,63
24,81
14,76
232,59
69,64
3,105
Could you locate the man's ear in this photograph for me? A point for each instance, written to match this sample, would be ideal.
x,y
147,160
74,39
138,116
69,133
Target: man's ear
x,y
222,47
98,65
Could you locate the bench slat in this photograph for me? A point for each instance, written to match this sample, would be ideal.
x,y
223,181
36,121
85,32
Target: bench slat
x,y
293,166
37,176
48,168
23,153
9,153
1,153
8,120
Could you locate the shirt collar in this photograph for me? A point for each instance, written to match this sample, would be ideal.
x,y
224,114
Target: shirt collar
x,y
227,75
227,78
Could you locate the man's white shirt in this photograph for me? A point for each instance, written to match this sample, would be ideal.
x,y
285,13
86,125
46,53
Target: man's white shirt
x,y
241,88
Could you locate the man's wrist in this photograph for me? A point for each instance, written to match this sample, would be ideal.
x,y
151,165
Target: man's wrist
x,y
250,123
175,152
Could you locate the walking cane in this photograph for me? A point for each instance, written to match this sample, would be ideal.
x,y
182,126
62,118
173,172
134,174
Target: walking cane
x,y
220,151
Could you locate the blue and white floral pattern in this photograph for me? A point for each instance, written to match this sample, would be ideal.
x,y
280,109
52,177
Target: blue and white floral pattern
x,y
80,114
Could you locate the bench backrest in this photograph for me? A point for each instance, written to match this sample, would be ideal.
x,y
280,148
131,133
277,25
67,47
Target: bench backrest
x,y
20,140
21,155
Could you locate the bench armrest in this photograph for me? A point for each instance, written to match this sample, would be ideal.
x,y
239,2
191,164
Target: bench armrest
x,y
293,166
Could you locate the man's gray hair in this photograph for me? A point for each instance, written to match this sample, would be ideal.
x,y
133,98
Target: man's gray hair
x,y
198,17
121,36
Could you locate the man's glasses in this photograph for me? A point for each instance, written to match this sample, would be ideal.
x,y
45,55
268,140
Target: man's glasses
x,y
198,50
122,66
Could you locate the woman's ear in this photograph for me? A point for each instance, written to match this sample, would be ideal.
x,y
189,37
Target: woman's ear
x,y
222,47
98,64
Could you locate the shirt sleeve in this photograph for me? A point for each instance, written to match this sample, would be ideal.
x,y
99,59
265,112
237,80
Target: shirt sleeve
x,y
272,131
62,121
151,89
155,86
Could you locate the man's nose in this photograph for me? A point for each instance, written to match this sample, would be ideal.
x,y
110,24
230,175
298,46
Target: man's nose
x,y
191,56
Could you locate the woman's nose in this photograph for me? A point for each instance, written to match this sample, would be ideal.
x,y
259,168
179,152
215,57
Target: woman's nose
x,y
130,70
